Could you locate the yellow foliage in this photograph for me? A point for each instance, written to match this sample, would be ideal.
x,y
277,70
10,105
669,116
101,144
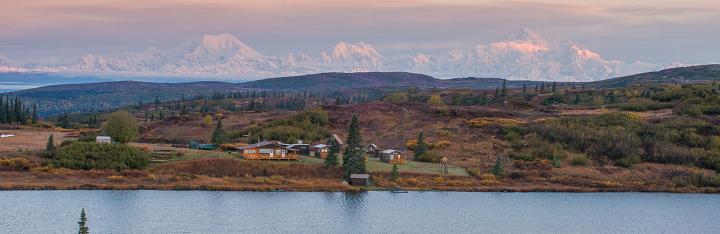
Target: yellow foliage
x,y
411,144
115,178
484,122
207,121
435,100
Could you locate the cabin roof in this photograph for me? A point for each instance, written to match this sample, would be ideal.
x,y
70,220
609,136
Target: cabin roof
x,y
103,138
359,176
389,151
320,146
256,145
373,145
337,138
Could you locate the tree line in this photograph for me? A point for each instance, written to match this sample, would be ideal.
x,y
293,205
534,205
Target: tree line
x,y
13,111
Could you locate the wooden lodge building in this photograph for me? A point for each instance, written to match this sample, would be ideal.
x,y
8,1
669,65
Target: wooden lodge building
x,y
302,149
267,150
392,156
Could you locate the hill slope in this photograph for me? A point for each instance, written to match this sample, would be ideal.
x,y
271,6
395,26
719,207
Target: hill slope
x,y
680,75
104,95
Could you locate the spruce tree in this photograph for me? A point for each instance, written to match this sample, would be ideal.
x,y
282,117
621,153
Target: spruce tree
x,y
332,158
50,146
353,162
82,223
34,114
498,168
394,173
524,89
421,147
503,92
554,87
218,135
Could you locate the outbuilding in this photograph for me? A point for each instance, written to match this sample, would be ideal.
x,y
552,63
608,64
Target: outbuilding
x,y
360,179
392,156
321,150
103,139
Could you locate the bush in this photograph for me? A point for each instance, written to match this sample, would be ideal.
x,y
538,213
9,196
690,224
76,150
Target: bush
x,y
15,164
628,161
83,155
429,156
307,125
579,160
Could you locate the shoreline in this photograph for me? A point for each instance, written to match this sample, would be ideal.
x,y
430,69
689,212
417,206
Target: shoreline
x,y
182,187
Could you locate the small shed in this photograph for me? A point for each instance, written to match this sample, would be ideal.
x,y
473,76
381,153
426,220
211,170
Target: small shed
x,y
373,150
360,179
103,139
392,156
321,150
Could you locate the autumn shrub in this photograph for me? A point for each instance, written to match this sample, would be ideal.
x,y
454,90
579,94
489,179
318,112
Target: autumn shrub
x,y
83,155
430,156
15,164
579,160
310,125
222,167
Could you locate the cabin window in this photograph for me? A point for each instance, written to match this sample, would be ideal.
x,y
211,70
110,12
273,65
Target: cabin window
x,y
250,151
266,151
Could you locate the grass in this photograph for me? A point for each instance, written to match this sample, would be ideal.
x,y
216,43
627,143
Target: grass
x,y
375,165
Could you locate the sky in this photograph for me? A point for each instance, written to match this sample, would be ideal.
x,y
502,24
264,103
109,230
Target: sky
x,y
656,31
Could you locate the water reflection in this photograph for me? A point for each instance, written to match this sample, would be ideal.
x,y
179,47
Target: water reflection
x,y
362,212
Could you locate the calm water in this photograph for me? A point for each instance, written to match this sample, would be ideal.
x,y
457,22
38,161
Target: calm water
x,y
372,212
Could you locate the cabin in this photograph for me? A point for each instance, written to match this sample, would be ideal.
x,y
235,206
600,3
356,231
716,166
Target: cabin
x,y
321,150
300,147
197,146
373,150
392,156
267,150
360,179
103,139
336,139
6,135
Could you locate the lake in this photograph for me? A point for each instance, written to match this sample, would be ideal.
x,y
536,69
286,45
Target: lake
x,y
370,212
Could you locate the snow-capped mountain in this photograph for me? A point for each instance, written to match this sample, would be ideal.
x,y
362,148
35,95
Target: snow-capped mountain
x,y
523,55
6,65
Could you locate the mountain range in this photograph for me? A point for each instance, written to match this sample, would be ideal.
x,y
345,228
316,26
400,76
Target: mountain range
x,y
106,95
524,55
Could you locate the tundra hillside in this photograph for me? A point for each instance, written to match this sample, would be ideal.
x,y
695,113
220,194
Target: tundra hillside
x,y
535,136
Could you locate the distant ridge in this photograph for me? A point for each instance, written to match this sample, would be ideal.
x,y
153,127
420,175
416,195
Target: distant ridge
x,y
88,96
680,75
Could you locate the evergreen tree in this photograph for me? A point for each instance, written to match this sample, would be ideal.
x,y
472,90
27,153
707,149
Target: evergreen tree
x,y
82,223
394,173
353,161
556,161
34,114
332,158
577,99
421,147
542,87
524,88
498,168
50,146
554,87
503,92
218,135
